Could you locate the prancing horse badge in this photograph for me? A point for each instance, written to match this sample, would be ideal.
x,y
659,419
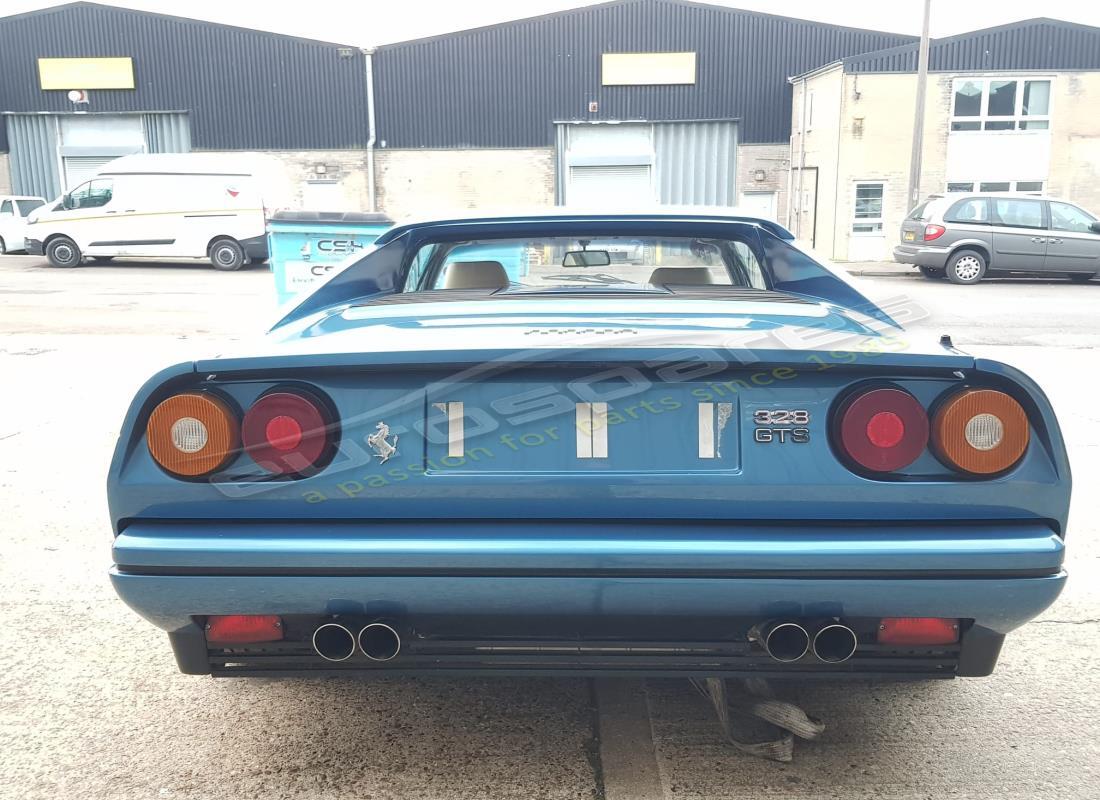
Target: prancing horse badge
x,y
377,440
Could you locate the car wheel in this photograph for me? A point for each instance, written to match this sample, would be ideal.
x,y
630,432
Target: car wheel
x,y
103,259
932,273
1076,277
63,252
966,266
227,254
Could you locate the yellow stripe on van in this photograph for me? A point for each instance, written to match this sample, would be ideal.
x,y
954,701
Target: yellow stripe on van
x,y
127,214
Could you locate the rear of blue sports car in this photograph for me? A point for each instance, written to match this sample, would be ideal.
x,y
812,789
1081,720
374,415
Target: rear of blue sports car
x,y
660,446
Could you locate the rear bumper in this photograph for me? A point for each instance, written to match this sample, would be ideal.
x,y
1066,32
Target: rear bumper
x,y
922,256
464,587
255,248
34,247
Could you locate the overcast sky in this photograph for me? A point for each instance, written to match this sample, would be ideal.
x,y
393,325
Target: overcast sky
x,y
367,23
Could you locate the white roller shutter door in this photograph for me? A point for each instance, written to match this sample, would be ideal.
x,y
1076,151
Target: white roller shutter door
x,y
627,184
81,168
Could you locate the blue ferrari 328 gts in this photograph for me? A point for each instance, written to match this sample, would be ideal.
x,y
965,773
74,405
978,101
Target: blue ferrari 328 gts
x,y
648,444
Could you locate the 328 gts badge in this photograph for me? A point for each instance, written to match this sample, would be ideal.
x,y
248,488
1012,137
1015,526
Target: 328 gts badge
x,y
781,425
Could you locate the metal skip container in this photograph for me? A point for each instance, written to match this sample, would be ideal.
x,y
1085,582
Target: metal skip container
x,y
306,245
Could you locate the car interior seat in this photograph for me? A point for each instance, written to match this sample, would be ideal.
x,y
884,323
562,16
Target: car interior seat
x,y
475,275
681,276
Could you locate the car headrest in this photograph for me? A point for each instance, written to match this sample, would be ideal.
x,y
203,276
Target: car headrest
x,y
475,275
681,276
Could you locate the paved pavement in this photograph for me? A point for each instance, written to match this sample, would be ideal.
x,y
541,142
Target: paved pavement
x,y
91,704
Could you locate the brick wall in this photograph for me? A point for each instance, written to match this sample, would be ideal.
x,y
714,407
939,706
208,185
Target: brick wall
x,y
420,182
5,175
773,160
338,177
1075,139
417,182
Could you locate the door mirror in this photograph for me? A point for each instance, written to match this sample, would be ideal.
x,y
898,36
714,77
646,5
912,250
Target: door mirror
x,y
67,201
1095,227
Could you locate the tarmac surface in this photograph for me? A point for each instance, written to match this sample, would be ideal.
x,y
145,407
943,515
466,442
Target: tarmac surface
x,y
91,704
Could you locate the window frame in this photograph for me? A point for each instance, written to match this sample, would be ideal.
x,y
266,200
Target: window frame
x,y
1013,187
1044,213
949,214
1050,216
10,204
1017,117
879,220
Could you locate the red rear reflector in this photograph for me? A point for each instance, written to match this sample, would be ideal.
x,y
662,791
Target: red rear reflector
x,y
881,430
933,232
918,630
288,432
244,628
885,429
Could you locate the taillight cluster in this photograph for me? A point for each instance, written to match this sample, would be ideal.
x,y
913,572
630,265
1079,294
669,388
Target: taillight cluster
x,y
975,431
288,432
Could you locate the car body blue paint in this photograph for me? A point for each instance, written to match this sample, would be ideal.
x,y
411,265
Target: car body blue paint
x,y
521,525
998,604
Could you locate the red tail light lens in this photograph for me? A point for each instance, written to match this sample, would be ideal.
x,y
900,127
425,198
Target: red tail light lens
x,y
933,232
287,432
881,430
244,628
918,630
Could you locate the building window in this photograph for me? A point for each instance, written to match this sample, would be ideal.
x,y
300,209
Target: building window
x,y
867,219
1027,187
1000,105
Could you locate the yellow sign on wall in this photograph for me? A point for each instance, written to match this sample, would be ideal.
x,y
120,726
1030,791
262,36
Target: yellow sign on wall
x,y
86,73
647,69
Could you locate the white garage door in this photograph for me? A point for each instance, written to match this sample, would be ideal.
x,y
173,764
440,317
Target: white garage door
x,y
80,168
619,184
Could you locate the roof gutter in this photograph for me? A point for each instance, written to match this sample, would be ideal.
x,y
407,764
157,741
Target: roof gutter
x,y
813,73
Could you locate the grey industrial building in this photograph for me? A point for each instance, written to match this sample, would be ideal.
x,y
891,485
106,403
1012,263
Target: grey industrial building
x,y
632,100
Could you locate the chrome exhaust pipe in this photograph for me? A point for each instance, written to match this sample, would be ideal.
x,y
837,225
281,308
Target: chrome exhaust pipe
x,y
835,643
334,642
379,642
784,640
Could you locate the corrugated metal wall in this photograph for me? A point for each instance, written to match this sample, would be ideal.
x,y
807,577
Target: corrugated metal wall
x,y
34,157
167,133
696,163
1032,45
505,85
243,89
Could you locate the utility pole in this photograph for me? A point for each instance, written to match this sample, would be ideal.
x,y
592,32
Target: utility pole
x,y
918,120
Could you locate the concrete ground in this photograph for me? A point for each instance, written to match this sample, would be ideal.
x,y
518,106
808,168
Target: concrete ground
x,y
91,704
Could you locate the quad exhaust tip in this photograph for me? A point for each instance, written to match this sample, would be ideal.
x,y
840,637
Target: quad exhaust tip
x,y
379,642
835,643
785,641
334,642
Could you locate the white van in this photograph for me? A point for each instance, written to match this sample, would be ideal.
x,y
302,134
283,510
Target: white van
x,y
14,210
179,205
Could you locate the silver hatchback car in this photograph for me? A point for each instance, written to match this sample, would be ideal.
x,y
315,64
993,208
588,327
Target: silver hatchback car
x,y
968,236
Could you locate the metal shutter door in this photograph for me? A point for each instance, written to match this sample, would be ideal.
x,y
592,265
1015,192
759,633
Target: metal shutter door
x,y
81,168
628,184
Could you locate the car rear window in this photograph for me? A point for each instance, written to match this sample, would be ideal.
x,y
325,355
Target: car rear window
x,y
593,262
972,210
27,206
918,212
